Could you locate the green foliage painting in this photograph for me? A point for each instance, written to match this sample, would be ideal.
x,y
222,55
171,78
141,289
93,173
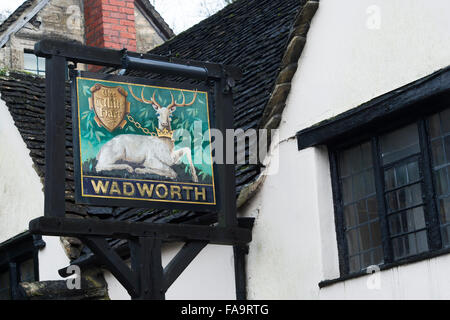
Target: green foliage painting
x,y
156,125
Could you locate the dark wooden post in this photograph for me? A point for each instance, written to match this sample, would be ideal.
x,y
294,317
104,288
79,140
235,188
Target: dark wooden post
x,y
225,120
146,262
240,274
55,136
14,280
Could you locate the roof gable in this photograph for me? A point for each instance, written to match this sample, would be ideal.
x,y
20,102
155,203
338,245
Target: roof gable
x,y
157,21
13,23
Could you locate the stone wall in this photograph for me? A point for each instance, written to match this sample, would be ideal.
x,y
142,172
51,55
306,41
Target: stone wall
x,y
146,36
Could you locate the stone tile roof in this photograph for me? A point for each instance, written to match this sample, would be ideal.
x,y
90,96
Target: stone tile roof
x,y
252,35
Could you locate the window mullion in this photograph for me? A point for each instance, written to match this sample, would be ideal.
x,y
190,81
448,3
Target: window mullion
x,y
339,215
431,216
14,280
379,187
36,264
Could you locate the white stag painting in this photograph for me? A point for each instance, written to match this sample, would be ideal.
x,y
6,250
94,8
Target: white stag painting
x,y
155,153
130,131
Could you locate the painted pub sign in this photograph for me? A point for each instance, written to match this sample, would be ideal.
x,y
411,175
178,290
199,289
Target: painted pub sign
x,y
141,144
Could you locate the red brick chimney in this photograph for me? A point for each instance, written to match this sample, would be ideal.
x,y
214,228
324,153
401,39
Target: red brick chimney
x,y
110,24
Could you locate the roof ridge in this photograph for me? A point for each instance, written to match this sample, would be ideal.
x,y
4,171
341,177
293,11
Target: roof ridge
x,y
20,74
213,16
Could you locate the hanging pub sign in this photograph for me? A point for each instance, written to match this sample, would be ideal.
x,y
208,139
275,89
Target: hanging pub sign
x,y
142,143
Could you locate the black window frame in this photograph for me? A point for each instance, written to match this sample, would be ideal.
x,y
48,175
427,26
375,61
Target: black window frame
x,y
411,103
428,194
15,251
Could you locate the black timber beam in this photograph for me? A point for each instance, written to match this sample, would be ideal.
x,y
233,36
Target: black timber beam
x,y
146,264
419,98
225,122
76,52
113,263
90,259
54,226
55,138
240,267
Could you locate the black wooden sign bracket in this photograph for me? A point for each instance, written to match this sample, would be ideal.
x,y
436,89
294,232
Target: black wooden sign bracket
x,y
146,278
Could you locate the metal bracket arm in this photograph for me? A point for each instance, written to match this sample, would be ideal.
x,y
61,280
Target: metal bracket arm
x,y
79,53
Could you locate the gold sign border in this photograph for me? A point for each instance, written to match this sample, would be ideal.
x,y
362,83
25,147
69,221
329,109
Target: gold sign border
x,y
112,178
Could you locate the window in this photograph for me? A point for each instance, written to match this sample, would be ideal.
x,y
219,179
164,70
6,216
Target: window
x,y
18,263
392,195
33,63
389,163
4,285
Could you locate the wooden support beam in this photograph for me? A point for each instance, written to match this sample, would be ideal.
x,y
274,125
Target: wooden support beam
x,y
128,230
113,263
55,136
240,274
146,262
113,58
240,269
227,175
180,262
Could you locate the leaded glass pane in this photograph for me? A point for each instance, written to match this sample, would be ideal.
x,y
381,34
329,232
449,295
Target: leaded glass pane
x,y
399,144
403,191
362,234
439,131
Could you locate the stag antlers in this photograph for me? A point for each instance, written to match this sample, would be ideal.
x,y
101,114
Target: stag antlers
x,y
172,104
142,99
183,104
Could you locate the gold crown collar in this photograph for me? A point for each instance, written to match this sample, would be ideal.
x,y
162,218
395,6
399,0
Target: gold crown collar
x,y
166,133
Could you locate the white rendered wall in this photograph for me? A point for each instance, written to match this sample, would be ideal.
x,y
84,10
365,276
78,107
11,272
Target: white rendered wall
x,y
344,64
209,277
22,196
51,259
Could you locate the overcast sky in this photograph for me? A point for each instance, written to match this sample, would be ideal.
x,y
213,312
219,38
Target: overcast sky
x,y
179,14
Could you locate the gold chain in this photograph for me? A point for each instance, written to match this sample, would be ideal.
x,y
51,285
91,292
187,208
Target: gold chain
x,y
139,126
